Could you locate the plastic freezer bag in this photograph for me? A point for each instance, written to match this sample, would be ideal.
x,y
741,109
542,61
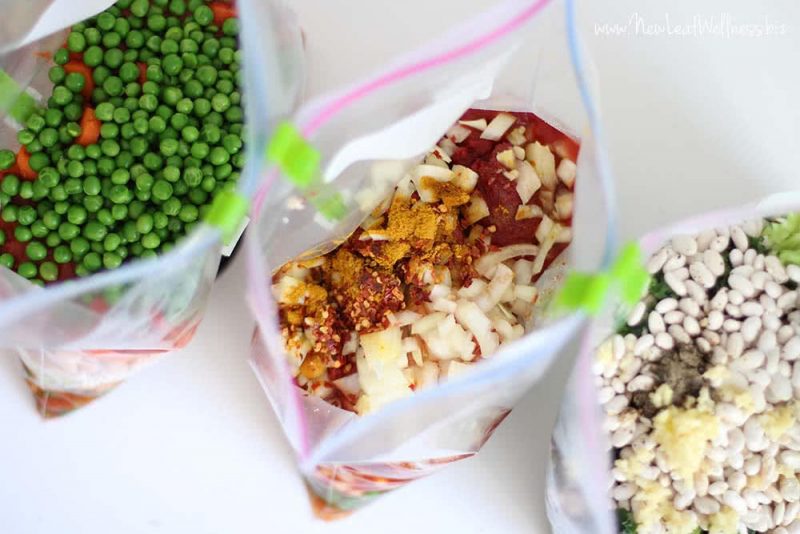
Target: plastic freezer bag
x,y
79,338
579,478
513,57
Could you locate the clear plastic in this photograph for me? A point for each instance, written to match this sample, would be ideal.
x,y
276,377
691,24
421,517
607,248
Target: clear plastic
x,y
579,472
512,57
80,338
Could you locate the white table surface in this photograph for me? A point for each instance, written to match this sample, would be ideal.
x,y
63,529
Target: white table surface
x,y
191,445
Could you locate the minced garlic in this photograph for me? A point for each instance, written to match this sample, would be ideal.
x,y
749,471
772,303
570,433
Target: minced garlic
x,y
684,436
662,396
726,521
778,420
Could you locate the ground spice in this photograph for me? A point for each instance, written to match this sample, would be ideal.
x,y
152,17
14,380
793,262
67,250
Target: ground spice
x,y
682,370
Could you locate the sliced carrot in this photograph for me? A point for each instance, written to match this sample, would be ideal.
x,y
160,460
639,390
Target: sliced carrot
x,y
25,171
222,11
142,72
81,68
90,128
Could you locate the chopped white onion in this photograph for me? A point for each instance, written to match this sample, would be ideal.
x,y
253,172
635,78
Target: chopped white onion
x,y
528,182
498,127
519,152
348,384
426,375
503,328
517,137
566,172
458,132
523,271
544,162
544,228
439,291
448,147
526,293
444,305
564,205
547,243
507,159
473,319
527,211
465,178
489,261
476,210
564,235
405,187
285,288
351,345
426,323
405,317
501,281
440,174
434,159
453,369
473,290
511,175
478,124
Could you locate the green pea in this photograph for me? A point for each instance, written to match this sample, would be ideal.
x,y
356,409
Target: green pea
x,y
152,161
162,190
203,15
25,137
76,215
39,230
179,121
121,26
93,204
157,124
61,57
151,241
113,86
35,251
7,159
119,194
10,185
76,42
62,254
26,215
171,206
223,171
177,7
105,21
23,234
48,137
92,261
73,129
93,56
148,102
76,152
189,62
26,190
27,269
94,231
68,230
92,35
38,161
168,147
75,169
181,188
193,89
122,115
52,240
7,260
91,185
207,75
175,226
79,246
226,55
192,176
231,26
48,271
139,8
112,39
61,207
9,213
188,213
35,122
104,111
51,219
109,147
199,150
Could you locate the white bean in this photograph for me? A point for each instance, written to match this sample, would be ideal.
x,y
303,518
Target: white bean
x,y
714,262
796,375
792,510
731,325
777,514
679,334
750,256
767,341
752,359
691,326
675,262
664,341
737,257
739,238
771,321
682,274
773,289
735,501
744,270
675,284
701,274
773,361
684,244
775,269
793,272
689,307
784,333
791,459
623,492
656,262
758,262
787,300
742,285
622,437
706,505
655,323
704,345
643,343
750,329
696,291
790,489
780,389
733,311
751,308
666,305
735,297
720,300
752,497
759,280
616,405
720,243
637,314
715,320
673,317
640,383
735,345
